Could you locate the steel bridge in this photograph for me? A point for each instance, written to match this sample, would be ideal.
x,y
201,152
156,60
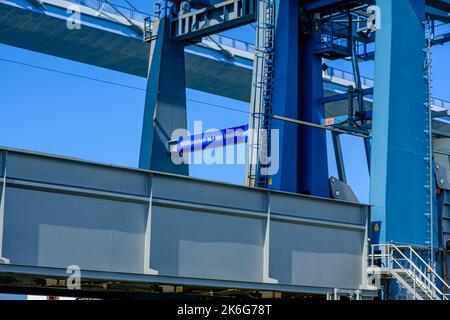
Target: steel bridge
x,y
155,230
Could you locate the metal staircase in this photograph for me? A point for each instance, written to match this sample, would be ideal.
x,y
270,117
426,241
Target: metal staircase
x,y
404,264
262,90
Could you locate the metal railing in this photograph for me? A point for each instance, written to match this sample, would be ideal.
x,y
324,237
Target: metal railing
x,y
113,8
440,103
441,30
369,82
233,43
341,74
403,257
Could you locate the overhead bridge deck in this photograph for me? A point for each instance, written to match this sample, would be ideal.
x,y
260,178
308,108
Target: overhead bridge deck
x,y
136,230
108,40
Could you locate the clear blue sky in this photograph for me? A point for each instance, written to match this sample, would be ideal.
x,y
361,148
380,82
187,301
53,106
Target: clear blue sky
x,y
51,112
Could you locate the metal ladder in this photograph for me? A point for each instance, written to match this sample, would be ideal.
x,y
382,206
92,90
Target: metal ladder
x,y
404,264
429,139
261,109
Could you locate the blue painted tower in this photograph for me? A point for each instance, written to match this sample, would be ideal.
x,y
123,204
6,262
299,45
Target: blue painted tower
x,y
297,89
398,187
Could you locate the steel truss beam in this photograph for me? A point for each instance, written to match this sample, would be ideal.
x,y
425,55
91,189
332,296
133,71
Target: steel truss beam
x,y
228,14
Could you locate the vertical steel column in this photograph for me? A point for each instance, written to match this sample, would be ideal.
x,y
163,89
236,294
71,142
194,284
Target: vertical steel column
x,y
298,86
165,102
312,145
285,94
399,146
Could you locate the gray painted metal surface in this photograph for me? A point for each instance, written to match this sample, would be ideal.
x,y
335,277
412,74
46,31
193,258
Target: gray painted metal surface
x,y
61,212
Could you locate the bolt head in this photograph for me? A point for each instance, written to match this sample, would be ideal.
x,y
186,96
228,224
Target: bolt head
x,y
441,180
338,193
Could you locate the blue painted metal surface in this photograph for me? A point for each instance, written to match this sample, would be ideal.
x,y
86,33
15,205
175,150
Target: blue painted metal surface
x,y
304,166
285,94
312,150
343,96
313,5
398,167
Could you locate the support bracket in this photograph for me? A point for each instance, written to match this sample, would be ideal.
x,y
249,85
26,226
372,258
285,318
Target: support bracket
x,y
222,16
266,246
148,232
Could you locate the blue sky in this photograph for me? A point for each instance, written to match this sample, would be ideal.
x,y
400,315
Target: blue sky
x,y
66,115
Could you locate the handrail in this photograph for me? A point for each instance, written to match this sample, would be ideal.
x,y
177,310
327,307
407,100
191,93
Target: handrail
x,y
392,260
232,42
339,73
334,72
408,270
389,255
412,264
111,7
426,264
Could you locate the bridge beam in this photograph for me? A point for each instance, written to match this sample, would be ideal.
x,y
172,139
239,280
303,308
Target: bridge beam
x,y
312,146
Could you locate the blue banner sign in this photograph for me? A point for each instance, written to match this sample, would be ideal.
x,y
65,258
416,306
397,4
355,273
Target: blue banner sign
x,y
214,138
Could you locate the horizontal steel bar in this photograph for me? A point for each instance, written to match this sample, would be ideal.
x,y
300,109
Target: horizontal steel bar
x,y
343,96
75,191
257,215
209,208
318,126
207,31
439,4
318,223
318,5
